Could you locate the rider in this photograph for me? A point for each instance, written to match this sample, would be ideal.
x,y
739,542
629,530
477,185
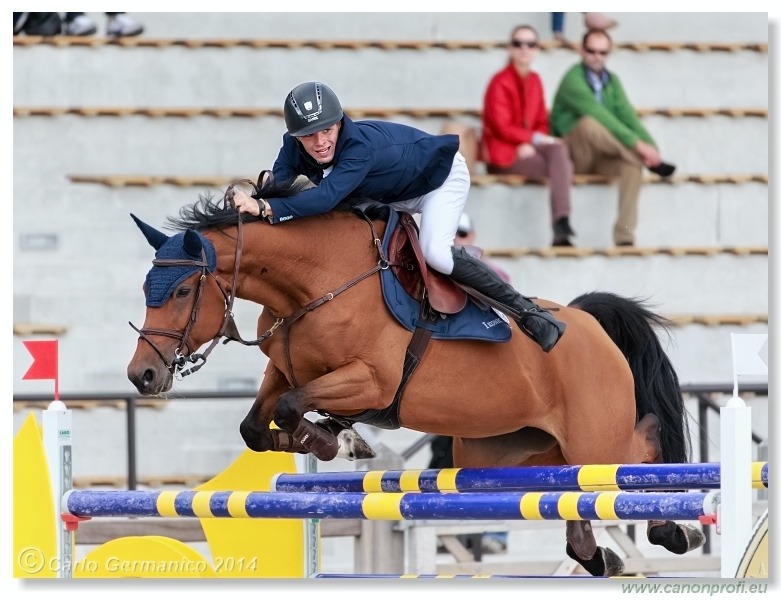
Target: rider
x,y
393,164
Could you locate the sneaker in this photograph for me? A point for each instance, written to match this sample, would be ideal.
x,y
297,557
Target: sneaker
x,y
81,25
122,25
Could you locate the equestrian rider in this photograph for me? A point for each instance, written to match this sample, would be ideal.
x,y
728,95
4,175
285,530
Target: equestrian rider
x,y
392,164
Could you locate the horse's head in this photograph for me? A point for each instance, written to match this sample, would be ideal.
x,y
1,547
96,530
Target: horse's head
x,y
185,308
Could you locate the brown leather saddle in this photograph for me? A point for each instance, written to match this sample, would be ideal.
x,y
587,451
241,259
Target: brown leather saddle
x,y
406,257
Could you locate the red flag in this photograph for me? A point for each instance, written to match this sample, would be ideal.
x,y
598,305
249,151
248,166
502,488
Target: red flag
x,y
44,355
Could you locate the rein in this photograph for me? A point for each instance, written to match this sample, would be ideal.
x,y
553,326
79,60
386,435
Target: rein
x,y
228,330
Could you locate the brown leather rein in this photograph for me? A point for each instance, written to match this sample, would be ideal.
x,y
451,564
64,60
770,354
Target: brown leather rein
x,y
228,330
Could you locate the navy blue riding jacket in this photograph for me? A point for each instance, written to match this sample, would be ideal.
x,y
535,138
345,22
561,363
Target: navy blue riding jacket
x,y
377,160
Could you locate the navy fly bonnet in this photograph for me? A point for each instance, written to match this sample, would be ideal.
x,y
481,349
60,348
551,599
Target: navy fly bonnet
x,y
189,245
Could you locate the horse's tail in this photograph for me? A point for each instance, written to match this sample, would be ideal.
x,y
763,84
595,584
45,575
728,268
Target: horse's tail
x,y
630,324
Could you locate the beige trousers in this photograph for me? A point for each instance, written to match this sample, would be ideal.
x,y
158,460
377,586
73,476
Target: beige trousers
x,y
594,150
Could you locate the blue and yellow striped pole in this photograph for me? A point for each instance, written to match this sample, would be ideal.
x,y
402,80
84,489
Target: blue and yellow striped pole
x,y
610,506
589,478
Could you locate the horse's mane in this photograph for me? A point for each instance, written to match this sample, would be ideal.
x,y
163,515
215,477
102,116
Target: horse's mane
x,y
210,212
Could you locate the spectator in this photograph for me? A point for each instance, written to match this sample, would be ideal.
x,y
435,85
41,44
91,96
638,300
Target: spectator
x,y
391,164
37,23
605,136
590,20
119,25
466,236
515,132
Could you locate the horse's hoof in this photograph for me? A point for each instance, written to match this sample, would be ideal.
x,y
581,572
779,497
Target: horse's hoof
x,y
614,566
678,539
352,446
604,563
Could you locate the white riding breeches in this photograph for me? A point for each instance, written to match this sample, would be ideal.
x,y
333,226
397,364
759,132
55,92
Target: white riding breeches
x,y
440,211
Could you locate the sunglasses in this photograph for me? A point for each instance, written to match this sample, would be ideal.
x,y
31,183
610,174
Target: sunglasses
x,y
600,52
522,43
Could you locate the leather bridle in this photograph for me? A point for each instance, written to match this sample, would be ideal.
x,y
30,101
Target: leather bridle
x,y
181,358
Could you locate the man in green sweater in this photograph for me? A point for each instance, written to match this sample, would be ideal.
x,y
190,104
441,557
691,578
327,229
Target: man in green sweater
x,y
605,136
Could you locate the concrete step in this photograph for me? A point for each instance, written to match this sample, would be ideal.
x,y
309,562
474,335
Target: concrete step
x,y
220,77
685,214
142,144
723,283
446,26
504,216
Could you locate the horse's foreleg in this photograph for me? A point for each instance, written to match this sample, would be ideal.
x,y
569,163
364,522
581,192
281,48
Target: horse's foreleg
x,y
254,429
347,390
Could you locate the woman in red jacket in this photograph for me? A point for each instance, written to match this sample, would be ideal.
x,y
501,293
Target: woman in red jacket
x,y
515,132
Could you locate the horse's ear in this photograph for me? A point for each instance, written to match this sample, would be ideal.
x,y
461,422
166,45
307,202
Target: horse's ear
x,y
155,238
192,244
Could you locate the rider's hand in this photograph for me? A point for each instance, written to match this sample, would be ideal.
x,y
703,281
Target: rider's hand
x,y
245,204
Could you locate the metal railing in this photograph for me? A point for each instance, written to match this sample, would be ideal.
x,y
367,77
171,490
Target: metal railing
x,y
702,392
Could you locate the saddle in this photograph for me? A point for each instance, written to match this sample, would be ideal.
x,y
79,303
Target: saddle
x,y
406,257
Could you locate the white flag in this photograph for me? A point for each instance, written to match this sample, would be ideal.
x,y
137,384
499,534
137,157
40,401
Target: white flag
x,y
749,353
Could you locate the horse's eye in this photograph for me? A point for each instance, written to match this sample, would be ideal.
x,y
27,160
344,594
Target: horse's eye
x,y
183,292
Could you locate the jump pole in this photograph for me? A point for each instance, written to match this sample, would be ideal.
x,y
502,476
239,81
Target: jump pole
x,y
605,506
587,478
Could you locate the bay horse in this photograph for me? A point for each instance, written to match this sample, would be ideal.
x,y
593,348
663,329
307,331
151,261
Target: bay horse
x,y
606,394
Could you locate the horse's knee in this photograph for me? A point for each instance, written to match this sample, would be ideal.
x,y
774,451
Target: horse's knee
x,y
287,413
256,438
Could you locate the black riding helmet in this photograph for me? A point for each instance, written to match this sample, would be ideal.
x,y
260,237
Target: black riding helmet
x,y
311,107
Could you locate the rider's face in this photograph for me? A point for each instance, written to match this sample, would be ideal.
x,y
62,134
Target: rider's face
x,y
322,145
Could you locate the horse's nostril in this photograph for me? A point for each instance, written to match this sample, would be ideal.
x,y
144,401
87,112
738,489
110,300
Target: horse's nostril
x,y
148,378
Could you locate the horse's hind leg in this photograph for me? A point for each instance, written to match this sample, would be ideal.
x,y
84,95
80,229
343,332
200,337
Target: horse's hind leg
x,y
676,538
582,548
532,446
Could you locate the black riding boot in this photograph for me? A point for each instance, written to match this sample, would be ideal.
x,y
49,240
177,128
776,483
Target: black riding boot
x,y
534,321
